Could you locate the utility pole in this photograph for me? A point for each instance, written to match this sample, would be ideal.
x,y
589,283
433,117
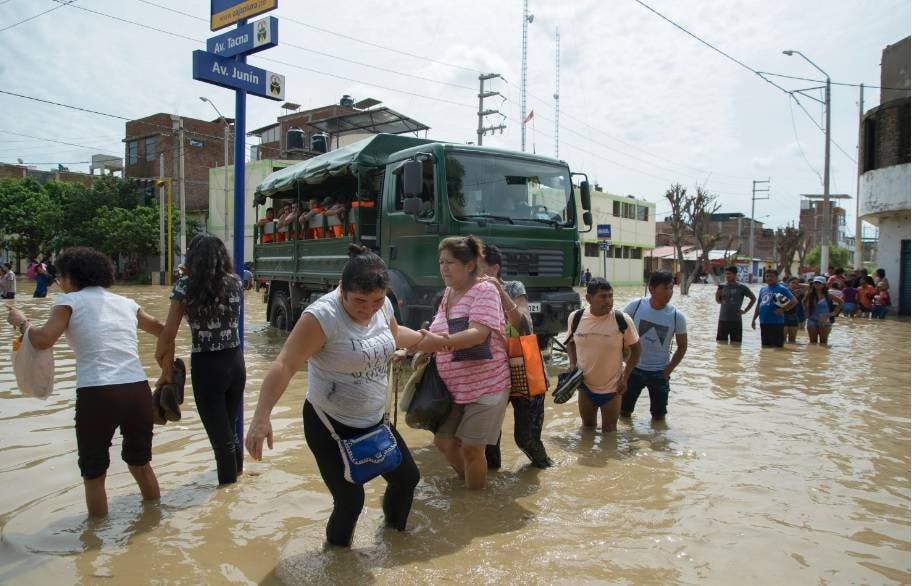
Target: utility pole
x,y
859,244
827,211
556,91
754,199
527,18
482,96
183,195
161,220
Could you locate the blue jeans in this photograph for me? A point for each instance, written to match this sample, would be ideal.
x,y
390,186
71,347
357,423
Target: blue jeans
x,y
879,312
658,392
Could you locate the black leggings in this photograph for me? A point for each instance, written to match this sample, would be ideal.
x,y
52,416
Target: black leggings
x,y
218,388
348,498
528,420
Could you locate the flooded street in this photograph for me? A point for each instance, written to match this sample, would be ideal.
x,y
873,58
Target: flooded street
x,y
774,467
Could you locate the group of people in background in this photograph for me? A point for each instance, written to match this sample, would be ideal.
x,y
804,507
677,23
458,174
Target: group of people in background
x,y
316,219
783,308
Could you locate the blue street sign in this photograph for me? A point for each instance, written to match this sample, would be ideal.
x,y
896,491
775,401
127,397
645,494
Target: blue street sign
x,y
604,231
244,40
232,74
604,245
227,12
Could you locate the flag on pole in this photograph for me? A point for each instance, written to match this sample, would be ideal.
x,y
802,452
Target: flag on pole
x,y
529,117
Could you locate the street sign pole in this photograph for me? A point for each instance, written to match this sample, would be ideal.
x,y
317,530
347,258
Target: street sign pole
x,y
240,131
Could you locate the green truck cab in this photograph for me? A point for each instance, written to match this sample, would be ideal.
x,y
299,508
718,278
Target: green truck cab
x,y
401,197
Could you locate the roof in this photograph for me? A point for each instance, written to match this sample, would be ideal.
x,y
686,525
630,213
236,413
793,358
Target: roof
x,y
379,120
371,152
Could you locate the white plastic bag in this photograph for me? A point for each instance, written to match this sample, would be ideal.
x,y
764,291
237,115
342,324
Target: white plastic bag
x,y
34,369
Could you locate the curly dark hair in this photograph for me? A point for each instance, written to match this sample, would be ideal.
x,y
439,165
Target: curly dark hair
x,y
364,272
85,267
211,279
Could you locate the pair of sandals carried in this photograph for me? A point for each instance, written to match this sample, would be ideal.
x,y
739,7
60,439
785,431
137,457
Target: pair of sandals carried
x,y
167,398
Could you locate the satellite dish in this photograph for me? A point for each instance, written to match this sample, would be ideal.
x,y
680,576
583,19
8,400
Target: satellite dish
x,y
20,161
531,18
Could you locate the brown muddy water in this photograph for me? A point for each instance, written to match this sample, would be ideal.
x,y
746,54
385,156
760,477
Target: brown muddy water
x,y
774,467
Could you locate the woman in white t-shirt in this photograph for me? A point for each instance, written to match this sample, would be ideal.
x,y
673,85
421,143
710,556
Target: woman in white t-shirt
x,y
347,338
111,386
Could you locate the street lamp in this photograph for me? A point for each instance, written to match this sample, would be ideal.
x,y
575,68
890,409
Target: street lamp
x,y
825,242
225,140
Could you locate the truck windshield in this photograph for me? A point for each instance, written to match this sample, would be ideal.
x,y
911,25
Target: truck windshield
x,y
496,187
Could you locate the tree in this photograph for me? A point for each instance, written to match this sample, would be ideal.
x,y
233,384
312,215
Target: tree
x,y
786,243
29,221
677,198
697,215
839,257
804,246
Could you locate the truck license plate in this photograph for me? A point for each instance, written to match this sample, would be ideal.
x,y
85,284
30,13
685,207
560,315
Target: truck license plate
x,y
534,307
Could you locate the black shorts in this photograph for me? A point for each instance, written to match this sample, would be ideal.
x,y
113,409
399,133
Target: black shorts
x,y
99,412
729,331
772,335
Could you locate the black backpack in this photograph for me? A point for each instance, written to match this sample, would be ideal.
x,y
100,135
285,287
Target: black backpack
x,y
578,317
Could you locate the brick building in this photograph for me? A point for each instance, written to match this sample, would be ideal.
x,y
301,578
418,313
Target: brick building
x,y
884,165
8,171
148,138
811,220
735,230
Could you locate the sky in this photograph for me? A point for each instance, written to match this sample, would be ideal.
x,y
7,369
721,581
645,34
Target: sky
x,y
643,104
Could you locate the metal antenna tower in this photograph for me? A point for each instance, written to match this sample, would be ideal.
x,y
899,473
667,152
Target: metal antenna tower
x,y
556,91
527,18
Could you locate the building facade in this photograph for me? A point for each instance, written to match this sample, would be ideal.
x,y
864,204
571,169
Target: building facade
x,y
633,235
148,139
884,166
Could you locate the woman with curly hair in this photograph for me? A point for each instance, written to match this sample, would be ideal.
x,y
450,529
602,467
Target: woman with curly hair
x,y
111,386
209,296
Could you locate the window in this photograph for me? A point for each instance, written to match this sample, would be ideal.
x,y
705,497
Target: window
x,y
591,249
636,253
427,211
643,213
149,148
132,155
630,211
616,252
508,190
616,209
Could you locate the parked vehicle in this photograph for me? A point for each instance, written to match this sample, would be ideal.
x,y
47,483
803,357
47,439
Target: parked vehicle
x,y
401,196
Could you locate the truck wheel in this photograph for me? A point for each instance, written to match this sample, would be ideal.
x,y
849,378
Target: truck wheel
x,y
280,316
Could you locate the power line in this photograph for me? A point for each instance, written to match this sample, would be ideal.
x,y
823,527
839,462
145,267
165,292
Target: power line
x,y
61,4
51,140
853,85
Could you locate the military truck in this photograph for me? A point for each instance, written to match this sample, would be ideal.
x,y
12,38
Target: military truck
x,y
401,196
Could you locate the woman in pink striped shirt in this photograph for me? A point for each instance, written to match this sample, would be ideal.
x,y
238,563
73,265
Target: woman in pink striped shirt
x,y
467,335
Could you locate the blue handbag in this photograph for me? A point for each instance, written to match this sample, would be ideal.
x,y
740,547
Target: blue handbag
x,y
368,455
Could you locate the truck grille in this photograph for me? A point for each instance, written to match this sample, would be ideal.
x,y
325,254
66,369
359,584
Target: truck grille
x,y
532,262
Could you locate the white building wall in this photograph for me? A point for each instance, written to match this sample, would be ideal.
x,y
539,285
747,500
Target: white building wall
x,y
883,191
254,173
893,230
625,232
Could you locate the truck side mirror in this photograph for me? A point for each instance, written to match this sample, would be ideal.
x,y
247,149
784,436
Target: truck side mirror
x,y
411,179
411,205
585,197
587,218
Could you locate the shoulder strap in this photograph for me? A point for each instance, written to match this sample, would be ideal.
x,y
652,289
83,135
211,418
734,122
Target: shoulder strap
x,y
637,308
577,317
621,322
326,422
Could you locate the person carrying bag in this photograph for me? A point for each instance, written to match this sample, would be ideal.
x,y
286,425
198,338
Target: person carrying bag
x,y
347,339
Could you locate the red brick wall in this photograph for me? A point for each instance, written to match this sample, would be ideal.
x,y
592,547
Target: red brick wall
x,y
197,160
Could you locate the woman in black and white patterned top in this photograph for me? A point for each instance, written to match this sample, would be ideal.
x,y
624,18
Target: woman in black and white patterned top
x,y
210,297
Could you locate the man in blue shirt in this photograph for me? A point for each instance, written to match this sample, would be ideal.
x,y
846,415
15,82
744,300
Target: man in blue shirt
x,y
657,322
771,313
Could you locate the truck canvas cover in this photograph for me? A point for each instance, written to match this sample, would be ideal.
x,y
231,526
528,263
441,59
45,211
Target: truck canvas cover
x,y
366,154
